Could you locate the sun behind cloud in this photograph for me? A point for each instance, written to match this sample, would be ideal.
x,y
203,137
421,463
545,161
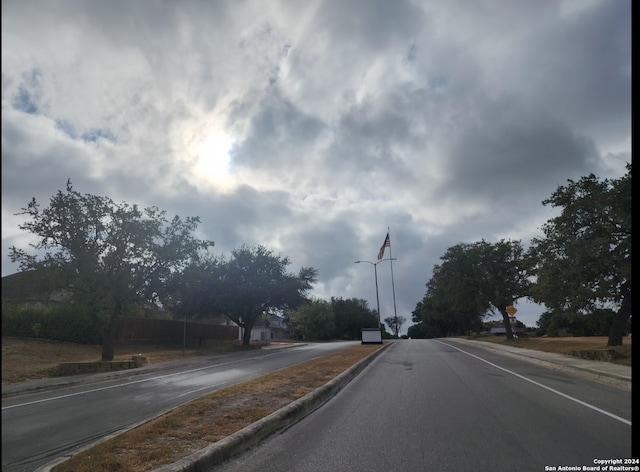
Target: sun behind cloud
x,y
209,150
213,159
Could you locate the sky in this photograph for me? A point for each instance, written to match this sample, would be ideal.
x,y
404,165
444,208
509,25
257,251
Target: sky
x,y
314,128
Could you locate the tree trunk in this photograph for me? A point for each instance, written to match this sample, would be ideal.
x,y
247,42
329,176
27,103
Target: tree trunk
x,y
507,324
108,348
108,343
620,319
246,335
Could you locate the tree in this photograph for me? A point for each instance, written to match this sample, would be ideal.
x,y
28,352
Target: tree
x,y
351,316
451,304
395,323
505,276
314,320
472,280
110,256
583,262
433,312
254,281
418,331
194,291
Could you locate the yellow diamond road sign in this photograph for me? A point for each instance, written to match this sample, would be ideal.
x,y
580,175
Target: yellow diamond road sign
x,y
511,310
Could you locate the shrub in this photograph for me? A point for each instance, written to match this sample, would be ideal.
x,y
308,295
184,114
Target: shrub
x,y
64,322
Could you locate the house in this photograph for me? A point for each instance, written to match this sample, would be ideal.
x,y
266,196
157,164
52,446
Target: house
x,y
499,329
271,329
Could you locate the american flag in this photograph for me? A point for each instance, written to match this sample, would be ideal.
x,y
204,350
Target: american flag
x,y
386,243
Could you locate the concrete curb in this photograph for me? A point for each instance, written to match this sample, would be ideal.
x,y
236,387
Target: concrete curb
x,y
599,371
251,435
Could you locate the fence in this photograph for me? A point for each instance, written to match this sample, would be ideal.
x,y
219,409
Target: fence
x,y
131,329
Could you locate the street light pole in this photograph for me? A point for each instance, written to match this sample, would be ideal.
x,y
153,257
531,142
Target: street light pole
x,y
375,271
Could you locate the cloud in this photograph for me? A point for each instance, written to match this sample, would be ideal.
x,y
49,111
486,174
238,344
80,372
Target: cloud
x,y
443,121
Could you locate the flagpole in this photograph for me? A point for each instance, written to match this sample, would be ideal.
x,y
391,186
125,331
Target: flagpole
x,y
393,287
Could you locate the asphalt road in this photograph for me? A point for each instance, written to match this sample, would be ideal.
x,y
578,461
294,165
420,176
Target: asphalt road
x,y
440,405
40,427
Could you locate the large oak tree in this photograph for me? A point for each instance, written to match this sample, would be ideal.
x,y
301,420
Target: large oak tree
x,y
472,280
583,262
108,255
254,281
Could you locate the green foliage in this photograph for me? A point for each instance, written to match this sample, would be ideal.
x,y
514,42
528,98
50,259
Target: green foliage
x,y
597,323
566,324
427,330
110,256
585,256
320,320
64,322
252,282
584,261
195,291
314,321
472,280
579,269
417,331
543,323
351,316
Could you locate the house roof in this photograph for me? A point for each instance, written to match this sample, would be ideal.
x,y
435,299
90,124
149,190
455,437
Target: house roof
x,y
29,286
17,286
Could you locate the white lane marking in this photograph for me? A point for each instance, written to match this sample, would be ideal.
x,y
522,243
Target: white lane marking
x,y
588,405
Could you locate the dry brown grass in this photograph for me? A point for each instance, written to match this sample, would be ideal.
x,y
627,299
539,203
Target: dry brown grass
x,y
567,345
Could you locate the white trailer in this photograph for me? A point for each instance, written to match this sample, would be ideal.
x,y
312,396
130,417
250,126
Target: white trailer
x,y
371,335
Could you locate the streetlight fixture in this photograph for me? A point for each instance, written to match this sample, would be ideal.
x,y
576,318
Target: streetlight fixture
x,y
375,271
